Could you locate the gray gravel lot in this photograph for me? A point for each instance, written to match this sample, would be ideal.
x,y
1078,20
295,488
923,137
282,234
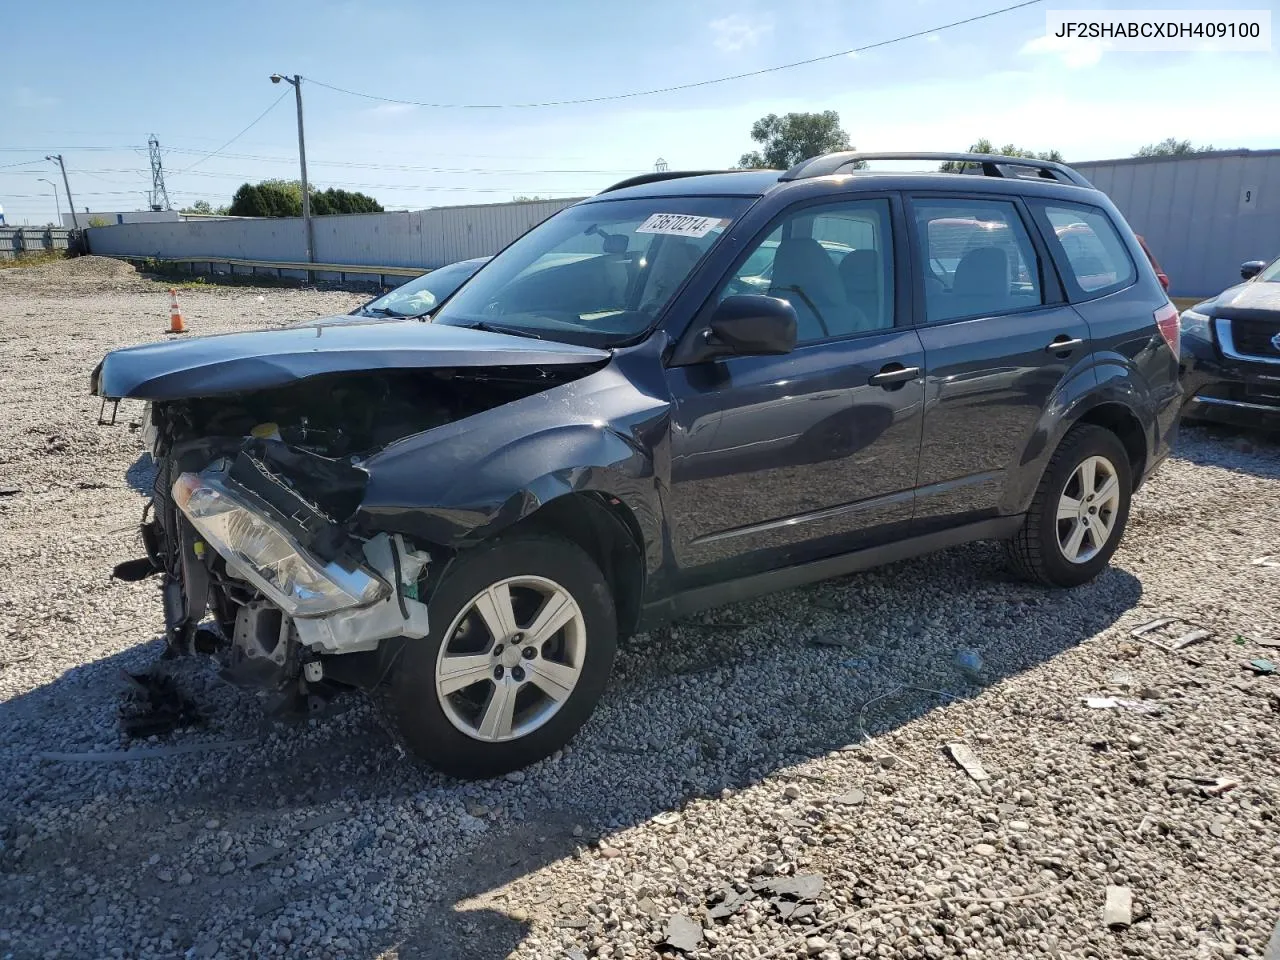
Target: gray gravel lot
x,y
728,751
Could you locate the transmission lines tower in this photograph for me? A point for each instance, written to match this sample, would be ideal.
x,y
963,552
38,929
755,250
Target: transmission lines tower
x,y
159,195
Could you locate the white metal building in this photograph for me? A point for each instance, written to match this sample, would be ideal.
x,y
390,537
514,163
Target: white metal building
x,y
1201,214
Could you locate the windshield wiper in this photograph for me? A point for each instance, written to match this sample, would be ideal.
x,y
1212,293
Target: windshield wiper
x,y
381,312
488,327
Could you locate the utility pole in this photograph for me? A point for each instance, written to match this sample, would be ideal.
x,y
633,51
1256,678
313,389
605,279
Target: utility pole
x,y
296,81
57,207
67,184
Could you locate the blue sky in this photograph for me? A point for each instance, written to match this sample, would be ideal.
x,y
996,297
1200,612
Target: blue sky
x,y
87,80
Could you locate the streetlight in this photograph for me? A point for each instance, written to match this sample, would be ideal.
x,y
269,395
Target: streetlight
x,y
57,208
66,183
296,82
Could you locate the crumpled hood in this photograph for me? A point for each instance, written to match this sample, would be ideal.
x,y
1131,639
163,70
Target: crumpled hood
x,y
1248,300
343,319
259,360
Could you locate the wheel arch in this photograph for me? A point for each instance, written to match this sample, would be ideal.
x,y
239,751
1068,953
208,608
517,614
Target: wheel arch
x,y
607,531
1124,423
1116,411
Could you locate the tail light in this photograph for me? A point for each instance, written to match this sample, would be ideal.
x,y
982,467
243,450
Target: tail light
x,y
1164,281
1167,323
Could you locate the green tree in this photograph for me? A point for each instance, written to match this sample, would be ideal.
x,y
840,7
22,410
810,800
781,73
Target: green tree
x,y
326,202
283,198
1172,148
1008,150
794,137
204,208
249,201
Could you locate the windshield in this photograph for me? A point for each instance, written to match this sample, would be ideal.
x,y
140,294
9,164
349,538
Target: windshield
x,y
423,293
597,274
1272,273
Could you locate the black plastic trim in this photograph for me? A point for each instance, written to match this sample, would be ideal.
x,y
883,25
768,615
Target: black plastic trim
x,y
745,588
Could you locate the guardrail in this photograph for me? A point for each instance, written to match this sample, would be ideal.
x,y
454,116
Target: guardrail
x,y
237,266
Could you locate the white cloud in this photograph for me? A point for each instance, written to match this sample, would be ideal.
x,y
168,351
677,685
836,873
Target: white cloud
x,y
737,32
25,98
1076,54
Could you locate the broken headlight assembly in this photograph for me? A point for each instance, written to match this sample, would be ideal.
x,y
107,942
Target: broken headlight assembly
x,y
259,550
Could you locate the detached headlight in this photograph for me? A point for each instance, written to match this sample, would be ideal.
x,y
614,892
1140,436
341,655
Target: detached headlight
x,y
1195,324
267,556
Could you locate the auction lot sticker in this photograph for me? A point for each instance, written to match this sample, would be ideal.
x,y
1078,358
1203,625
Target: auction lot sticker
x,y
679,225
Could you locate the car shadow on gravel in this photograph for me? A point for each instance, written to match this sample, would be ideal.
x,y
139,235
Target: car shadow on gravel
x,y
141,474
319,838
1247,451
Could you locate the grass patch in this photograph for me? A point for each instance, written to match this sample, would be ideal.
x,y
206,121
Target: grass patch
x,y
1182,303
32,259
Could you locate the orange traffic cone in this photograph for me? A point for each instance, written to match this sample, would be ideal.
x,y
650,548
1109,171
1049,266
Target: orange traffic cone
x,y
176,324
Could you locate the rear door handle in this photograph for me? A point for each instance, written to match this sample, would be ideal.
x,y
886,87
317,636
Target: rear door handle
x,y
892,374
1062,344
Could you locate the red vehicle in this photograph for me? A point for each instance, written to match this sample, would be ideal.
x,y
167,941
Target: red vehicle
x,y
1160,274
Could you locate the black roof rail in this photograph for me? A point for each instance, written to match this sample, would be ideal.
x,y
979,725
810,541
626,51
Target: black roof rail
x,y
659,176
989,163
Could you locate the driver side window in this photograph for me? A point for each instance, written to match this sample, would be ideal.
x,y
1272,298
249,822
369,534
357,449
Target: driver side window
x,y
833,264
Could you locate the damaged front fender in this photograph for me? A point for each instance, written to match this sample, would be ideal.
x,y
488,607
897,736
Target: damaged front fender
x,y
464,482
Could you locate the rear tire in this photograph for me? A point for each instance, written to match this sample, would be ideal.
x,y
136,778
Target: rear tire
x,y
522,639
1079,510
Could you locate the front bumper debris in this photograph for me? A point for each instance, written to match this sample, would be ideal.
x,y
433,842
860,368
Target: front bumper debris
x,y
334,594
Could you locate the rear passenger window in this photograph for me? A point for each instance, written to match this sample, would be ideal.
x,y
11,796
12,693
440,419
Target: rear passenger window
x,y
1096,257
833,264
976,258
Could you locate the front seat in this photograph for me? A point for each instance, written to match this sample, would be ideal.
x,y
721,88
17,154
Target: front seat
x,y
805,277
860,273
981,282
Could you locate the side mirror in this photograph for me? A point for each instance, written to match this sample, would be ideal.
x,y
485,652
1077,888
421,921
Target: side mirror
x,y
748,325
1251,268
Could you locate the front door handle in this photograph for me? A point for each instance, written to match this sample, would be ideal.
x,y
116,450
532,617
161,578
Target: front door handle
x,y
1063,344
892,374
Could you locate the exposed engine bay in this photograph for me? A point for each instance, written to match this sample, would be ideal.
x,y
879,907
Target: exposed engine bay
x,y
251,522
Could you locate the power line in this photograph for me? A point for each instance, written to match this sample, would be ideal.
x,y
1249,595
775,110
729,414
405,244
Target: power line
x,y
407,168
681,86
240,134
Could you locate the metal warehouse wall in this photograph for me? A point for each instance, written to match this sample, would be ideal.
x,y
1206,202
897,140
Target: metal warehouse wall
x,y
1201,215
424,238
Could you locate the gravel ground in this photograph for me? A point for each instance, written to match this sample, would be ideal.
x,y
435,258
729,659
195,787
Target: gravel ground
x,y
797,735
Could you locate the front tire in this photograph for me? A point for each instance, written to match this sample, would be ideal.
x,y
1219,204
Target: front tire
x,y
522,639
1079,511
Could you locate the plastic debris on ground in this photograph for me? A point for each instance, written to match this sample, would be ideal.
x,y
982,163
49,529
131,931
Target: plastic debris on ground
x,y
967,760
682,934
1261,667
792,897
1161,625
969,662
1119,703
1209,786
1117,911
154,706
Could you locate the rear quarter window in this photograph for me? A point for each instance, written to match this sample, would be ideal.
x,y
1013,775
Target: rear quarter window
x,y
1089,250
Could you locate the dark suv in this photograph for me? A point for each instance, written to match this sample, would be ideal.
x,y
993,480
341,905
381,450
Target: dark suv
x,y
687,390
1231,351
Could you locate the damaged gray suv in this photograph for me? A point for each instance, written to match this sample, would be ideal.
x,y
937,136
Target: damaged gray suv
x,y
687,390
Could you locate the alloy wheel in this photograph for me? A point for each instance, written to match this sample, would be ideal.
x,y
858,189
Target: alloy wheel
x,y
511,658
1087,509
